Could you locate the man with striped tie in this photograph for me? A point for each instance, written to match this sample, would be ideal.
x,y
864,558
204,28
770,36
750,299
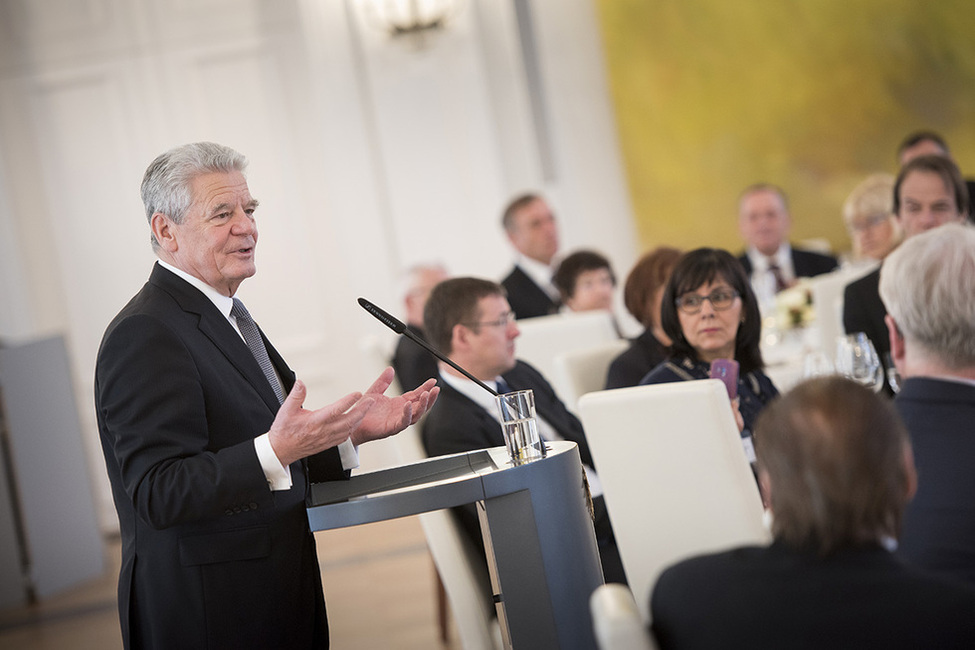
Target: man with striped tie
x,y
207,446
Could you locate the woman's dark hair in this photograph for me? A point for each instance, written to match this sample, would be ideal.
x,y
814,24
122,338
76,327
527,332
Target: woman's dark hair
x,y
573,266
700,267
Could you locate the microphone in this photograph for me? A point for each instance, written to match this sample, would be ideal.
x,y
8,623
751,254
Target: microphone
x,y
399,327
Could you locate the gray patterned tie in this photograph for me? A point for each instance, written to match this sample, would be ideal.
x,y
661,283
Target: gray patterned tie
x,y
256,344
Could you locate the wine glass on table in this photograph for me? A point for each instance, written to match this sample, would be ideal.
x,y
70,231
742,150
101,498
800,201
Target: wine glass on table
x,y
816,364
857,359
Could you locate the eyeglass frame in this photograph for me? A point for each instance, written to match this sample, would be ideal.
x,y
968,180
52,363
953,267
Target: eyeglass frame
x,y
682,307
504,320
872,221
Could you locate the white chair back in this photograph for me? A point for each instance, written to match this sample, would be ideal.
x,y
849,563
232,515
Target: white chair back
x,y
545,337
827,293
461,566
616,620
578,372
674,473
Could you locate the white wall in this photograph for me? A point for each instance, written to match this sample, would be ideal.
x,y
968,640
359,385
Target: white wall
x,y
368,155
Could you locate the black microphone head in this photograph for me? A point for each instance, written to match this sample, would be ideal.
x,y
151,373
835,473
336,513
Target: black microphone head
x,y
388,320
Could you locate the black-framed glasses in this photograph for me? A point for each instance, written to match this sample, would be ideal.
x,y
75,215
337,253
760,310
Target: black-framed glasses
x,y
502,321
720,299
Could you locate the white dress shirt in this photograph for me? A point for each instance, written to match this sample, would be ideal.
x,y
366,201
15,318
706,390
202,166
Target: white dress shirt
x,y
763,280
540,274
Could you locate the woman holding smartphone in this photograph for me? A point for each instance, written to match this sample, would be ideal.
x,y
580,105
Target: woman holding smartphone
x,y
711,315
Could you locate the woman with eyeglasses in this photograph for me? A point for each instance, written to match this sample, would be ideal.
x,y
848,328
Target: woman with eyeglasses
x,y
709,312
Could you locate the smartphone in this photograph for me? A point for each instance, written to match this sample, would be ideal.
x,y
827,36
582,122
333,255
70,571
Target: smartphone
x,y
727,371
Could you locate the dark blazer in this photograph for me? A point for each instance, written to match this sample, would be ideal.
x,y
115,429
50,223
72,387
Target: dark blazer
x,y
774,597
526,298
457,424
807,264
211,557
938,531
864,311
412,362
632,365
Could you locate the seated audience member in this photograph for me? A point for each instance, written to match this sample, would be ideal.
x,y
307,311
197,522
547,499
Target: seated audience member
x,y
929,143
709,312
835,461
642,294
531,229
928,286
868,214
928,193
412,363
585,282
470,320
770,261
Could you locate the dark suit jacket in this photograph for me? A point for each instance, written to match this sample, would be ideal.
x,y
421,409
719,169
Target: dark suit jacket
x,y
939,524
864,311
457,424
526,298
806,264
774,597
644,354
412,362
211,557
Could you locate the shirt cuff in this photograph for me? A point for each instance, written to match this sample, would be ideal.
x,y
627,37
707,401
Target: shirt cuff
x,y
349,454
278,476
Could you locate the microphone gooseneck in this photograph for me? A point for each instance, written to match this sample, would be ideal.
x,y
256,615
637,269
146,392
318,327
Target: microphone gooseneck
x,y
399,327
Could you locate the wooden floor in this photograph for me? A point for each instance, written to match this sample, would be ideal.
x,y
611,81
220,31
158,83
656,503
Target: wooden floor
x,y
379,588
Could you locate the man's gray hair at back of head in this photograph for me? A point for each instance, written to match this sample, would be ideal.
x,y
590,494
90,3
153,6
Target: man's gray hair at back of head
x,y
166,184
928,287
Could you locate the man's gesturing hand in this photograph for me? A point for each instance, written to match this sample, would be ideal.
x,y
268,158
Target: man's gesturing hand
x,y
297,433
389,415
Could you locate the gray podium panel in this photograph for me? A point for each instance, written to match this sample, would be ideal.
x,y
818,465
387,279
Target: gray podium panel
x,y
538,532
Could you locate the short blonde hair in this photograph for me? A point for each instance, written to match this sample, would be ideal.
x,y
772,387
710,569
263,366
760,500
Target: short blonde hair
x,y
874,195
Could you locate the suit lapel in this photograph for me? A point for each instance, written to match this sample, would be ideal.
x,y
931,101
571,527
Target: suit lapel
x,y
219,330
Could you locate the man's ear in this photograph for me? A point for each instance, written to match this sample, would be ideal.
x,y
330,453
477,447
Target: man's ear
x,y
459,338
896,341
163,229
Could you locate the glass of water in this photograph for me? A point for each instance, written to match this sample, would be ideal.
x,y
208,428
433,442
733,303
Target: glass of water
x,y
520,428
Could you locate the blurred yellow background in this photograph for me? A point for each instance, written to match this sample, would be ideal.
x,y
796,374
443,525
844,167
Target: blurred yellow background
x,y
711,96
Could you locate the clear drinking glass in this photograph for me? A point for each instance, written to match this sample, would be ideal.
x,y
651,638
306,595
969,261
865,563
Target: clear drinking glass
x,y
520,427
857,359
816,364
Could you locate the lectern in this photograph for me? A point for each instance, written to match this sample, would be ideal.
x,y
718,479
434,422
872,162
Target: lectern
x,y
538,531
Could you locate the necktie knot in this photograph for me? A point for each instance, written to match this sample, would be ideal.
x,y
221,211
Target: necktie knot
x,y
238,311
